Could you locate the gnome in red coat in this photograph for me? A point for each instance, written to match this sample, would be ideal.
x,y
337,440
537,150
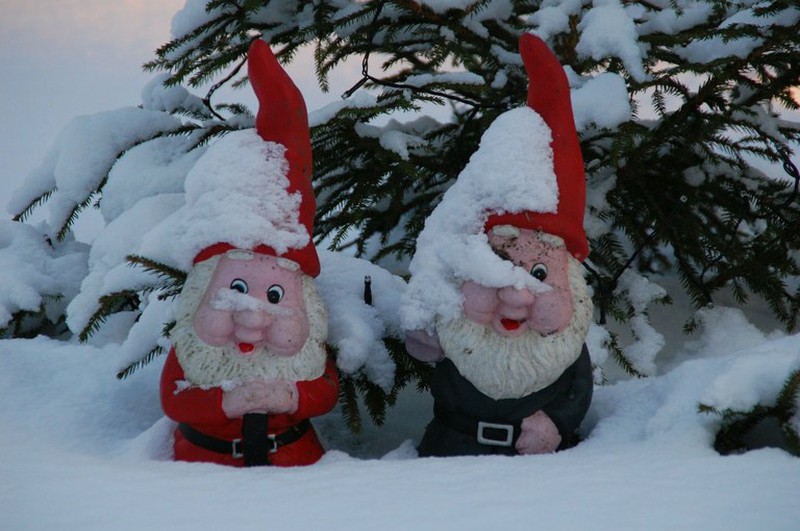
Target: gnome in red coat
x,y
497,299
249,365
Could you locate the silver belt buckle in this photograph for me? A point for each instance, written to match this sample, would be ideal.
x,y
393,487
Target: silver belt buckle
x,y
236,446
508,428
236,449
273,443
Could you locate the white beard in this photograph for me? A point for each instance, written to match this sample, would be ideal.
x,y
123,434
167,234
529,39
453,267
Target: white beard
x,y
207,366
512,367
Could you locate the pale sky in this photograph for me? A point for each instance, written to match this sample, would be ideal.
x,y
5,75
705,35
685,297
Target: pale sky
x,y
63,58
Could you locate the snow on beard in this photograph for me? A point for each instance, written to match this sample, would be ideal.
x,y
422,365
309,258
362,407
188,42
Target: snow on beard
x,y
207,366
504,367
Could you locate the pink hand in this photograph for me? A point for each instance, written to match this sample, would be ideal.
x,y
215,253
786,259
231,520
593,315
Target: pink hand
x,y
423,346
539,435
260,396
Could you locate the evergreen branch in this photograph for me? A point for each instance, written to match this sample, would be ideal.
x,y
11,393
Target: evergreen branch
x,y
375,400
32,323
76,210
219,84
788,400
107,305
163,271
627,365
32,205
66,227
152,354
140,363
349,403
421,92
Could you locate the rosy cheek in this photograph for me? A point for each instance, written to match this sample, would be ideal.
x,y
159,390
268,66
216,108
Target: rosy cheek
x,y
288,334
552,311
213,327
480,303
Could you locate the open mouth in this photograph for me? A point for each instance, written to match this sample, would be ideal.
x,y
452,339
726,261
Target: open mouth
x,y
246,348
511,324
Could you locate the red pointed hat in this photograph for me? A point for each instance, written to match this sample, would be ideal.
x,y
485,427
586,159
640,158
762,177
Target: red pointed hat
x,y
548,95
282,118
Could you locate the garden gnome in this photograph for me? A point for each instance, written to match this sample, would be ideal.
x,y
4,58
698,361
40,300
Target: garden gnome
x,y
497,299
248,366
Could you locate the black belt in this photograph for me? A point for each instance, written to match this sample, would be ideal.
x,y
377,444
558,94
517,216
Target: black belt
x,y
255,444
489,433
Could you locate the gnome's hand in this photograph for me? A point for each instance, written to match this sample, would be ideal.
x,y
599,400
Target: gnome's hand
x,y
539,435
423,346
260,396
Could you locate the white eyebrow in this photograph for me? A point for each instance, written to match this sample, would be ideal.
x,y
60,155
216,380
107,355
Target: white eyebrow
x,y
551,239
288,264
240,254
506,231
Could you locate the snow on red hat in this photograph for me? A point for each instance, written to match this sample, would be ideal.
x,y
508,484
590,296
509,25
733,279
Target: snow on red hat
x,y
548,95
282,119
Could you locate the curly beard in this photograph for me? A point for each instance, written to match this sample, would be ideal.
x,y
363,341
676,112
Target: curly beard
x,y
207,366
512,367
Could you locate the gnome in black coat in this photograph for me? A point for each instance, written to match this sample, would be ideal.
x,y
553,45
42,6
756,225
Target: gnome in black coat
x,y
497,299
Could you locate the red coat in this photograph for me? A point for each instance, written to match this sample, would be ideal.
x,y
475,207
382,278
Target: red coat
x,y
202,410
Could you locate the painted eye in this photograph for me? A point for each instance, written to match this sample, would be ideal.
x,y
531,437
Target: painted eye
x,y
275,294
239,285
539,272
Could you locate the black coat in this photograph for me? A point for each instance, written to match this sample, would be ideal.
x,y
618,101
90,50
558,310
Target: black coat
x,y
458,406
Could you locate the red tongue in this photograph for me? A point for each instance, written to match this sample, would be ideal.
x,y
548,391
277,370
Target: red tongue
x,y
510,324
246,348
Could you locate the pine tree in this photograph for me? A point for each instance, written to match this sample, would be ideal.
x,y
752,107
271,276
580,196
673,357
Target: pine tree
x,y
692,182
681,190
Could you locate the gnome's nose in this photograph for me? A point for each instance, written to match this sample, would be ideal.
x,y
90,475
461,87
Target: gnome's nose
x,y
253,319
516,297
251,325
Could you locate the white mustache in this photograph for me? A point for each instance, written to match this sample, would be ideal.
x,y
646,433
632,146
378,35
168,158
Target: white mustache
x,y
229,300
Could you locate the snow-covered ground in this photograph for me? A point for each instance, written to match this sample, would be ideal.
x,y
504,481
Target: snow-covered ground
x,y
82,450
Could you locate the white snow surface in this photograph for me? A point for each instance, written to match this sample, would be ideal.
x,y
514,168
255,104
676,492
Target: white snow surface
x,y
461,78
713,49
355,327
157,96
37,270
192,16
108,270
358,100
442,6
82,156
512,171
147,170
602,101
607,30
95,453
